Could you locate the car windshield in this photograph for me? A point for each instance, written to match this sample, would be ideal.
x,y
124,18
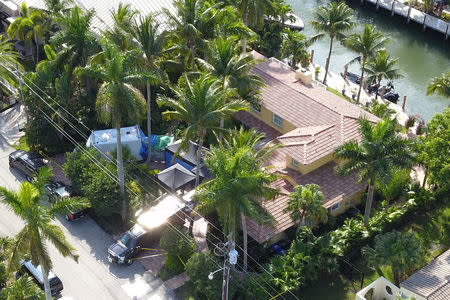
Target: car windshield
x,y
126,239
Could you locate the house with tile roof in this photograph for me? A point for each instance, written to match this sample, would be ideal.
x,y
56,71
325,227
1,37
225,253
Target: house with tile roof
x,y
432,282
310,122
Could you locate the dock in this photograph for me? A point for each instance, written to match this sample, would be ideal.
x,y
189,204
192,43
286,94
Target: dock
x,y
396,7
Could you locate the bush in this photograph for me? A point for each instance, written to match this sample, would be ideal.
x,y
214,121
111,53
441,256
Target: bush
x,y
198,268
90,181
179,247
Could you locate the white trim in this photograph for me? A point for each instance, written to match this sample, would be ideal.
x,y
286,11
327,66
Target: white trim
x,y
276,120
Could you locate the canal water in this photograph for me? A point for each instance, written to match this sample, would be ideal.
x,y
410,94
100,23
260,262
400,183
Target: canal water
x,y
422,55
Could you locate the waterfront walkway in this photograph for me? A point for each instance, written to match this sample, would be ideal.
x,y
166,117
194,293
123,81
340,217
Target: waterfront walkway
x,y
397,7
338,83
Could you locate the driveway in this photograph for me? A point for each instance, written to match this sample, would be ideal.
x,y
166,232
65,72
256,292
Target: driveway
x,y
93,277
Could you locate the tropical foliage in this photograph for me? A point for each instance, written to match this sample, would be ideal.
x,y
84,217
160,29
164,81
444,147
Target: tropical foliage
x,y
381,66
305,204
239,185
366,45
334,20
295,48
39,227
201,104
380,149
402,251
440,85
433,149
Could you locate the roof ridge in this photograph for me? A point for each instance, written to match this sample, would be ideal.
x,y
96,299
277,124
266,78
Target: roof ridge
x,y
298,91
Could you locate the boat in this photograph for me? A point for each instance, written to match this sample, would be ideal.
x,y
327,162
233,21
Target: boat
x,y
292,21
355,78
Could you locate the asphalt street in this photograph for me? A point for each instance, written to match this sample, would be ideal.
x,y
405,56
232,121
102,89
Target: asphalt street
x,y
93,277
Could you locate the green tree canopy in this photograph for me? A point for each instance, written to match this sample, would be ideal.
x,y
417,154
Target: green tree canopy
x,y
402,251
39,226
380,150
334,20
440,85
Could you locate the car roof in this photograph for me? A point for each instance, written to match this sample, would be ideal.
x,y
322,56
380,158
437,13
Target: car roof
x,y
33,160
137,230
16,153
37,271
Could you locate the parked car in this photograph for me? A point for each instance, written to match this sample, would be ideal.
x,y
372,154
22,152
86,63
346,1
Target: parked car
x,y
28,163
128,246
58,191
27,267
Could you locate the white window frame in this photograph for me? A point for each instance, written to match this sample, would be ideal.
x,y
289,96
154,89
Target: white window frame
x,y
333,208
295,163
276,117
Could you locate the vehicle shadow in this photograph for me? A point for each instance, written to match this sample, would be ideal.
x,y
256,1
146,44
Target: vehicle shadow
x,y
96,241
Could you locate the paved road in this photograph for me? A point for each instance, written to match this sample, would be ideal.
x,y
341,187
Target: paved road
x,y
93,277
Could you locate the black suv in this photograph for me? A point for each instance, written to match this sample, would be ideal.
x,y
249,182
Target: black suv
x,y
57,191
28,163
128,246
56,285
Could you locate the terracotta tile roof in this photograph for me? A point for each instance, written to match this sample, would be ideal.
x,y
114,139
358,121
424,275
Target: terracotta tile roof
x,y
323,121
335,188
433,281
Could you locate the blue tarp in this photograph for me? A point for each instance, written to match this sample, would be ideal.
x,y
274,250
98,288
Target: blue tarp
x,y
144,145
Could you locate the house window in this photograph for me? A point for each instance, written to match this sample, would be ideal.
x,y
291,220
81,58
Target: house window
x,y
294,163
335,207
256,108
277,120
347,203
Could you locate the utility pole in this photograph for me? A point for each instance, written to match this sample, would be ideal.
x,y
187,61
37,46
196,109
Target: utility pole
x,y
230,259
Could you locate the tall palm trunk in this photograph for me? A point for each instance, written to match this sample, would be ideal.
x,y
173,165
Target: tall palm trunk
x,y
121,175
376,92
193,57
425,176
244,39
396,276
327,65
36,41
199,157
245,240
47,290
362,79
149,120
369,202
221,125
301,221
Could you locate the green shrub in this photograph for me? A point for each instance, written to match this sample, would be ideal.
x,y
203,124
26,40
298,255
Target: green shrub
x,y
179,247
198,268
174,264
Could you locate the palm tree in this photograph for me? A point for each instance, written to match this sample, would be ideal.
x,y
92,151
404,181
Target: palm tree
x,y
381,110
124,20
152,43
193,24
53,12
233,70
39,227
200,104
333,19
295,47
118,102
381,66
239,185
76,42
306,204
8,61
366,45
440,85
23,288
396,187
27,27
402,251
379,150
253,12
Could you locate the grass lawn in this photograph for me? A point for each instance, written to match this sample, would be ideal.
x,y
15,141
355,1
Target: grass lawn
x,y
340,95
22,144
